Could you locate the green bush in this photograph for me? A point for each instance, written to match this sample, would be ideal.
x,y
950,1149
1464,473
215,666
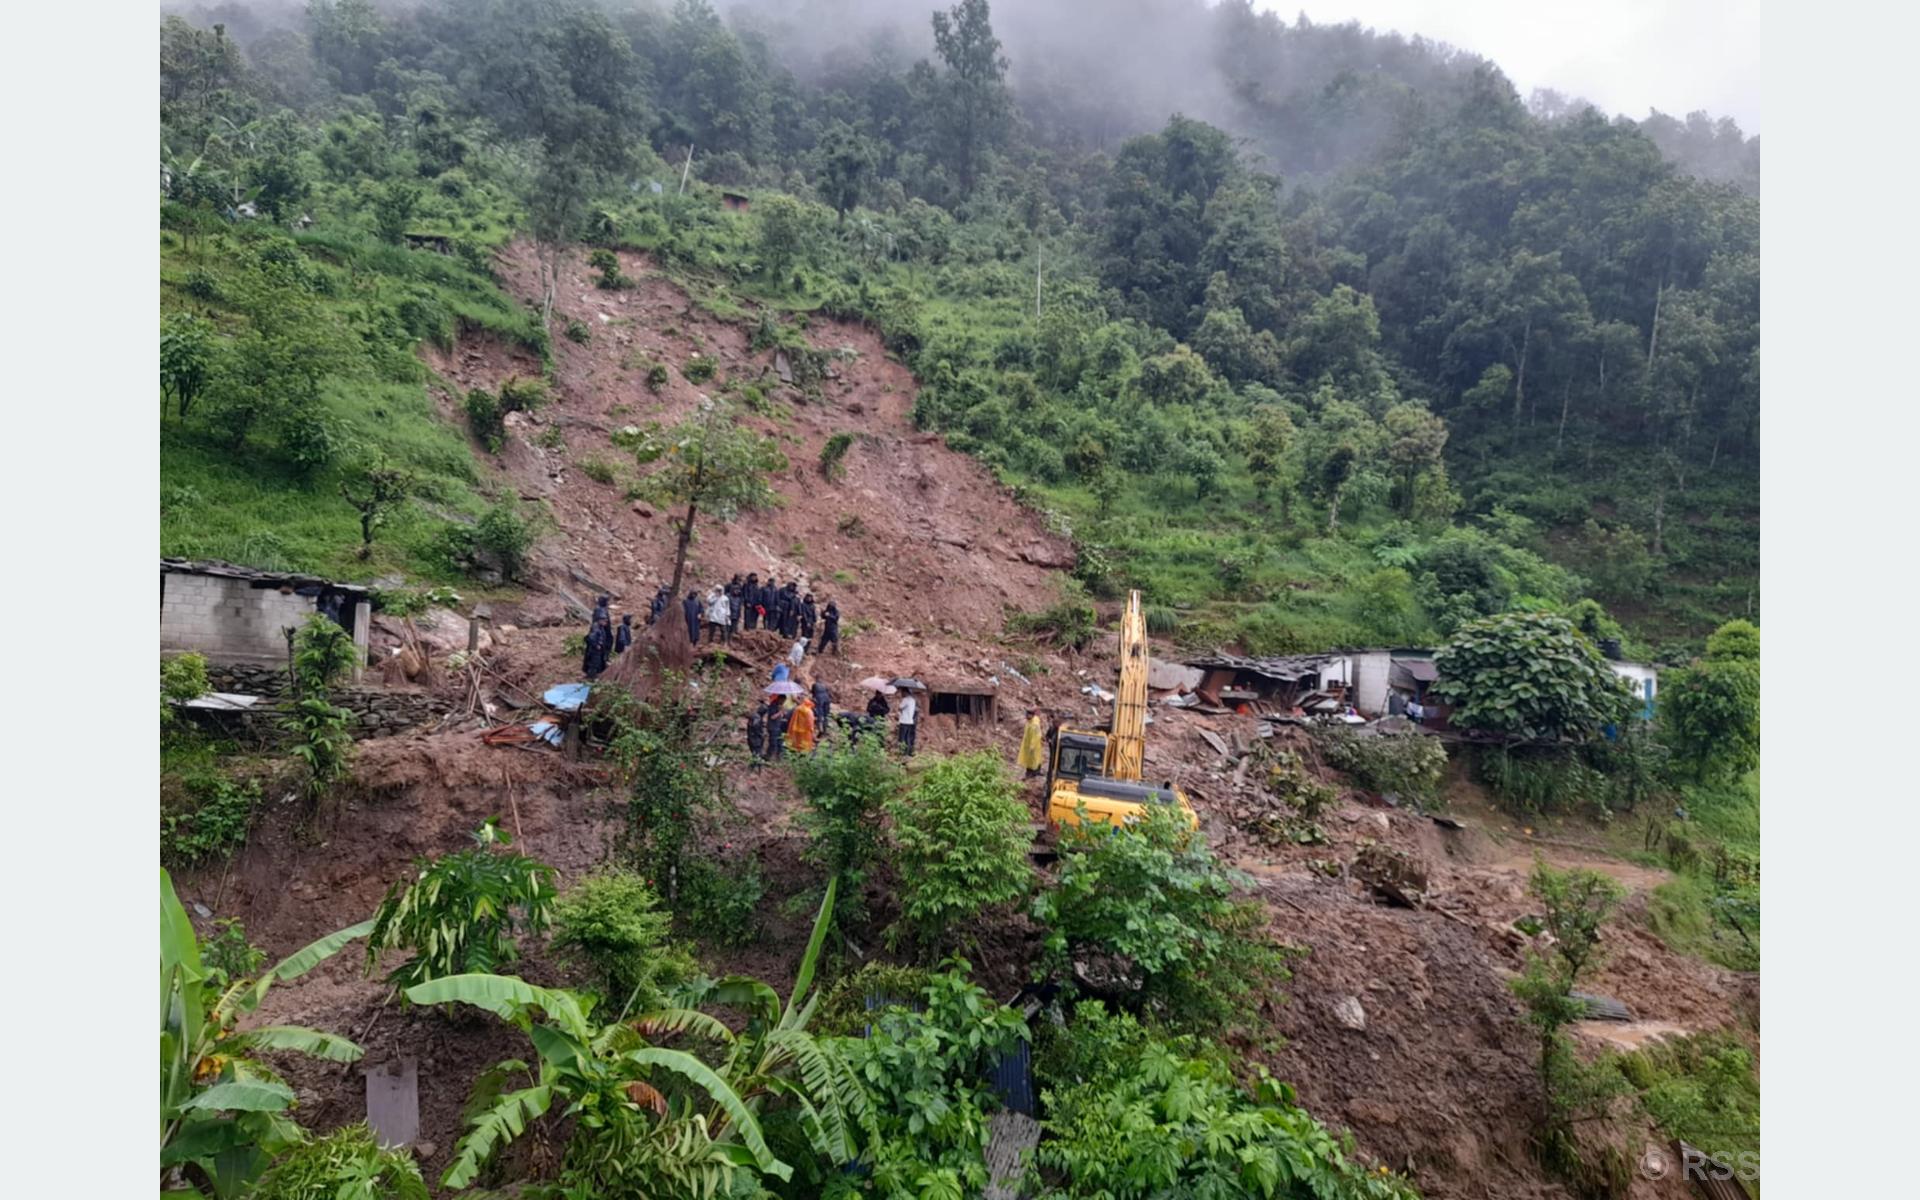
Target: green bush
x,y
347,1164
722,905
211,823
926,1068
577,332
1530,676
699,368
485,418
522,393
1150,907
1704,1090
1131,1113
505,534
1069,624
961,837
847,791
1410,765
182,677
613,923
597,469
833,456
657,376
459,912
228,951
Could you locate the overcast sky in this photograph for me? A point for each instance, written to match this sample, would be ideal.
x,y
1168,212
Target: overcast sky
x,y
1624,55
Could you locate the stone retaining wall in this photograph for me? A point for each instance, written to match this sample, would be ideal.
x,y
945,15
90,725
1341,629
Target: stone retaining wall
x,y
377,712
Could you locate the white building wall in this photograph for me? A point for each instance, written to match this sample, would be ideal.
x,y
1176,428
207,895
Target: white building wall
x,y
1368,672
229,620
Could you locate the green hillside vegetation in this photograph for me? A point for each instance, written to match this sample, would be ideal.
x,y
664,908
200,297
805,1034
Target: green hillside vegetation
x,y
1508,358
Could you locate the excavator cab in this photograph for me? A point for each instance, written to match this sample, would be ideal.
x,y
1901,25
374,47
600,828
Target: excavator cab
x,y
1099,770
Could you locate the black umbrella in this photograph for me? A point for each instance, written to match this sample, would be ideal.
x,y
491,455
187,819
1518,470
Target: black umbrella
x,y
910,684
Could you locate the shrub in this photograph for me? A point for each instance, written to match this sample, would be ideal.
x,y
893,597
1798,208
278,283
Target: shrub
x,y
506,535
722,905
459,913
214,822
1409,765
577,332
612,922
846,792
608,264
699,368
1529,675
657,376
322,651
182,677
1162,621
833,456
597,469
1148,907
1709,711
1576,904
1069,624
347,1164
1132,1113
961,838
322,744
484,417
228,951
522,393
926,1068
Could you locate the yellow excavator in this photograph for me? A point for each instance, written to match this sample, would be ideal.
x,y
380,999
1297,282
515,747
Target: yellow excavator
x,y
1102,769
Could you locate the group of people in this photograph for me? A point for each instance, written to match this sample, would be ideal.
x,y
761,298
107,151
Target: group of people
x,y
797,723
603,639
781,608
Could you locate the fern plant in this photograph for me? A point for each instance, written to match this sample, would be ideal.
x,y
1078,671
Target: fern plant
x,y
459,914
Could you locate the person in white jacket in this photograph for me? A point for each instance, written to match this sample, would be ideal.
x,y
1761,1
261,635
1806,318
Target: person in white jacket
x,y
909,718
719,616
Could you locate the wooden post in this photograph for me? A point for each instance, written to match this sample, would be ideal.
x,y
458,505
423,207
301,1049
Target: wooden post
x,y
684,168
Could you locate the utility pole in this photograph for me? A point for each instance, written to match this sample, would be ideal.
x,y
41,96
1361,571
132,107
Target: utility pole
x,y
1037,251
684,168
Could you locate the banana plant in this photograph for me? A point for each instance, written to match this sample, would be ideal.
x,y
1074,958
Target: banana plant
x,y
222,1112
634,1125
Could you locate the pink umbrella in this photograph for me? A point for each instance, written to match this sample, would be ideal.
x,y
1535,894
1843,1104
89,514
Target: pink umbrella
x,y
874,683
785,687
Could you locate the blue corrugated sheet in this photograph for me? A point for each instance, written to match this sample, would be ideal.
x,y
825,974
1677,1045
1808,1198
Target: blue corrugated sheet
x,y
1012,1078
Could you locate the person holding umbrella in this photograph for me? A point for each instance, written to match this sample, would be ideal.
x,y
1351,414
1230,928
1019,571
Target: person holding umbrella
x,y
909,722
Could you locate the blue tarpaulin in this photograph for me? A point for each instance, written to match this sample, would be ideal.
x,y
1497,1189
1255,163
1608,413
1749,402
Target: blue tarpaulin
x,y
548,731
566,697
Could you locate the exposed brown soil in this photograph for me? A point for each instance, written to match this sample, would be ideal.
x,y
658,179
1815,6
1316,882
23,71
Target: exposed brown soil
x,y
1439,1082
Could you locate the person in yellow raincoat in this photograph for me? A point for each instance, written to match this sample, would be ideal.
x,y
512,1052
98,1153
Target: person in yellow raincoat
x,y
800,728
1032,744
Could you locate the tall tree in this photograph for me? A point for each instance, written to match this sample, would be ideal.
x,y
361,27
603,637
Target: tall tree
x,y
975,85
708,462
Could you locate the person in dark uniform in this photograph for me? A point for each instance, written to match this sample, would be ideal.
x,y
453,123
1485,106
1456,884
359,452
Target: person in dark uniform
x,y
778,715
623,636
790,610
757,734
659,605
770,604
809,616
599,639
750,600
691,607
830,629
822,705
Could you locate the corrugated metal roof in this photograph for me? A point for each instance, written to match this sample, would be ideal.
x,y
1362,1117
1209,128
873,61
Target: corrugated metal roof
x,y
1288,669
227,570
1421,669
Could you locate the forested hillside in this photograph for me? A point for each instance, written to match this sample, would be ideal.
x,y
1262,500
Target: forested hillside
x,y
1319,335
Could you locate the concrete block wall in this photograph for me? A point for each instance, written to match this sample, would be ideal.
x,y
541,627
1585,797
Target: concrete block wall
x,y
227,619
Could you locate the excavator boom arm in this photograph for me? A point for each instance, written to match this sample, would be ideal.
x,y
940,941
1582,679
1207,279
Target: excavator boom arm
x,y
1126,753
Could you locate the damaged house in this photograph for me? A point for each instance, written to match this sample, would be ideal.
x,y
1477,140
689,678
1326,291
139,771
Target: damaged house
x,y
233,614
